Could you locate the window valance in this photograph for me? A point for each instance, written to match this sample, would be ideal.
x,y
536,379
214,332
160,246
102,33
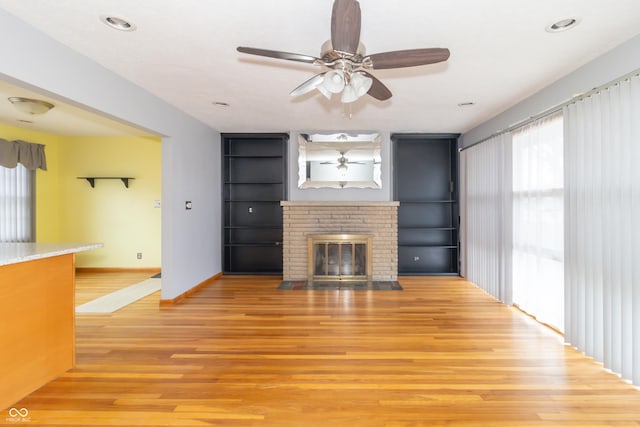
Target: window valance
x,y
28,154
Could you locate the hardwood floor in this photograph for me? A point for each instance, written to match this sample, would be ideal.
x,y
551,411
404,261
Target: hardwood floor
x,y
241,353
91,284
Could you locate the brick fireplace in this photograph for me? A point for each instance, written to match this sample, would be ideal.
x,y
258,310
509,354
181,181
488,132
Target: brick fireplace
x,y
379,220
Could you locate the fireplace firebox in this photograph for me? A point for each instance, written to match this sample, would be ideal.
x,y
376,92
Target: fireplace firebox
x,y
339,257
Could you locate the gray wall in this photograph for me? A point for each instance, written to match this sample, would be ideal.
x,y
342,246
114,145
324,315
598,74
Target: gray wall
x,y
191,243
608,67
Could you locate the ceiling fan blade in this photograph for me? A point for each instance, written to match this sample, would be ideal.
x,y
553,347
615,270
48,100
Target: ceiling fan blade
x,y
408,58
378,90
278,54
345,26
309,85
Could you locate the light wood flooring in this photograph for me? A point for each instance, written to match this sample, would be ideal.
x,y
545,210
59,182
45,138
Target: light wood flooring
x,y
241,353
92,284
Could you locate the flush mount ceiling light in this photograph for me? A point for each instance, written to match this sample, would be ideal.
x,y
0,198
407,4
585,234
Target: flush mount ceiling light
x,y
30,106
118,23
562,25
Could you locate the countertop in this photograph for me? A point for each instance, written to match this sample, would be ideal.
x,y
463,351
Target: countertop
x,y
13,253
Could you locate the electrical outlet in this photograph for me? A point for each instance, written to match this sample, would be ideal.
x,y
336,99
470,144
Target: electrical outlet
x,y
139,255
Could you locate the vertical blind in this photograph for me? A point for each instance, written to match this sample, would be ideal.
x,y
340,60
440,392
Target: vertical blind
x,y
602,231
18,162
487,216
600,245
538,232
16,188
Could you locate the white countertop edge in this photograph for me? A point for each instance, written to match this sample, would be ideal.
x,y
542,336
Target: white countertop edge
x,y
13,253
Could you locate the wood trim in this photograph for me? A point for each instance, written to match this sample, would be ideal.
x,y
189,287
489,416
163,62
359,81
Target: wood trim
x,y
196,288
151,270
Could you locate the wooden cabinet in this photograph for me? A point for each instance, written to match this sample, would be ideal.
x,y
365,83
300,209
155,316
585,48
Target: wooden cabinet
x,y
425,184
37,324
254,182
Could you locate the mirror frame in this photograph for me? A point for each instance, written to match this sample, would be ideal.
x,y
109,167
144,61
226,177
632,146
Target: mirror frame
x,y
364,146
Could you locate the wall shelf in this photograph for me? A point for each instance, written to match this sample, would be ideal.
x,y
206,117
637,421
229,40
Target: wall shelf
x,y
254,183
92,179
425,184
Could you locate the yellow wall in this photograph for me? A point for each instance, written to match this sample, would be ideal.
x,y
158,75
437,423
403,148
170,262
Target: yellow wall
x,y
123,219
69,210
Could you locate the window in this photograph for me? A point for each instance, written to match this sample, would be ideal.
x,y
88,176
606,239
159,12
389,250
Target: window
x,y
16,204
538,220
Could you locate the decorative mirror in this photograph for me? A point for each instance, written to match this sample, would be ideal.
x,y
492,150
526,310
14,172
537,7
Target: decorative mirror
x,y
339,160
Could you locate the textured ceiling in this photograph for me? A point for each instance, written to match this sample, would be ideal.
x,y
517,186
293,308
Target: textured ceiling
x,y
184,52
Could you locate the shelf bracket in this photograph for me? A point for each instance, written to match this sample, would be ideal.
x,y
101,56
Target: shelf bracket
x,y
92,179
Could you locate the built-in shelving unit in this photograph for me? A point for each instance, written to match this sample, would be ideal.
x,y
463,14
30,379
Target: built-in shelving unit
x,y
92,179
254,183
425,184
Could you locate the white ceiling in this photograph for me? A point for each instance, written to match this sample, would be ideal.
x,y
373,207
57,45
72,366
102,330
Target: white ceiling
x,y
64,119
184,52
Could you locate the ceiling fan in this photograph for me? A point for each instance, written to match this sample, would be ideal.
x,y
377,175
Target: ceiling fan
x,y
342,161
344,55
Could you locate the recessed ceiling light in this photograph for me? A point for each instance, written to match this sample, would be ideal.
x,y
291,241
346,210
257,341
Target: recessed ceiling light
x,y
221,104
118,23
25,121
562,25
466,104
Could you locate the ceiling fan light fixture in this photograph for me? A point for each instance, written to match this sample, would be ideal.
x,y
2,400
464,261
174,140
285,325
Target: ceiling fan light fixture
x,y
349,94
334,81
30,106
324,91
360,83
